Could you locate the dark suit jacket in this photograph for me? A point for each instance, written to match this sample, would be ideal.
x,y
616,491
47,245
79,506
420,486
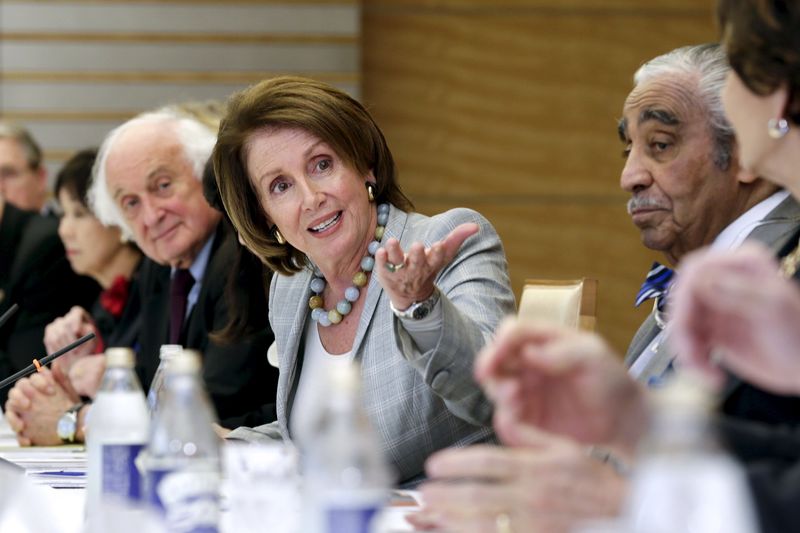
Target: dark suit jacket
x,y
35,274
763,430
775,231
238,377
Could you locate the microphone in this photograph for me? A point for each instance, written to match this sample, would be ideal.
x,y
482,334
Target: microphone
x,y
8,314
37,365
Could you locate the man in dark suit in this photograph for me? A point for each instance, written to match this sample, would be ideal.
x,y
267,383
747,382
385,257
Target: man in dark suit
x,y
34,272
147,181
23,177
687,189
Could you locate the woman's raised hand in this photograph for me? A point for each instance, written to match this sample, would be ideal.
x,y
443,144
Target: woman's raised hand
x,y
409,277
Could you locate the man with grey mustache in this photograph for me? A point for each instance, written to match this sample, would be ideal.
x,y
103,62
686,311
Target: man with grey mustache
x,y
687,189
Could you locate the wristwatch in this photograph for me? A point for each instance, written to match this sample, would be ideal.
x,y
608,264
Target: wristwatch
x,y
67,425
418,310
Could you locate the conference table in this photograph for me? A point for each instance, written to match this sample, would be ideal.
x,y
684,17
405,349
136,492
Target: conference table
x,y
43,489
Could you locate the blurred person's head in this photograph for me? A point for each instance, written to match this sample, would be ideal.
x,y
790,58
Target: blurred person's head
x,y
147,181
23,177
278,123
681,165
92,249
762,94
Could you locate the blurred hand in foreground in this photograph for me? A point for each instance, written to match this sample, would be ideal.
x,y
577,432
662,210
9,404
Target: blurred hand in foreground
x,y
733,311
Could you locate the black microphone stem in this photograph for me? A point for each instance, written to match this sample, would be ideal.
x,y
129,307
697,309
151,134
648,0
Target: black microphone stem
x,y
30,369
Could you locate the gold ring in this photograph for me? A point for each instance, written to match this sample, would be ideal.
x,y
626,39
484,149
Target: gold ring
x,y
502,523
394,267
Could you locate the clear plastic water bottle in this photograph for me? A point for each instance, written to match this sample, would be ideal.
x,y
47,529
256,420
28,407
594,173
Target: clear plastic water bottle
x,y
156,393
684,481
346,480
117,431
182,459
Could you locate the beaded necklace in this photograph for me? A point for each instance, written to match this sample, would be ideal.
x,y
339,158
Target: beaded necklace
x,y
352,293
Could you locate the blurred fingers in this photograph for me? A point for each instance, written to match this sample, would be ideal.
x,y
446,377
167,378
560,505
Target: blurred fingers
x,y
465,498
479,462
14,420
17,399
43,382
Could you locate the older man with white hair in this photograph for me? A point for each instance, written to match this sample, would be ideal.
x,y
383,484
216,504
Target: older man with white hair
x,y
148,182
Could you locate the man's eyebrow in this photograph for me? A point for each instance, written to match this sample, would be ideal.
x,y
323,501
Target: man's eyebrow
x,y
153,174
659,115
622,129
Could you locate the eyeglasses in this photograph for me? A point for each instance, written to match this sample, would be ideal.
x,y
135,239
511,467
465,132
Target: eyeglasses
x,y
10,173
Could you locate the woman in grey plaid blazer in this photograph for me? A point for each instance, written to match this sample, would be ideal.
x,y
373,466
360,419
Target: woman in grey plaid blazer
x,y
310,185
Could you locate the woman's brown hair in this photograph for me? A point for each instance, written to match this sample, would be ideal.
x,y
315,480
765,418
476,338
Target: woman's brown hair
x,y
317,108
762,41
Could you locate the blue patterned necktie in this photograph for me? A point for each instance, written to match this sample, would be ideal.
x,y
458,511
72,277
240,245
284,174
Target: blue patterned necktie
x,y
656,285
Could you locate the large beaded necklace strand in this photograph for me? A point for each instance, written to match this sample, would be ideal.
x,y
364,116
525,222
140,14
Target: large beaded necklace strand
x,y
351,294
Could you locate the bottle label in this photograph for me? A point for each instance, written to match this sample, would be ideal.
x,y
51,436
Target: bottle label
x,y
356,519
188,499
120,475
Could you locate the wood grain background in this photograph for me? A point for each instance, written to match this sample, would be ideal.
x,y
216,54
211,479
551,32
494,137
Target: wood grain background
x,y
71,70
510,108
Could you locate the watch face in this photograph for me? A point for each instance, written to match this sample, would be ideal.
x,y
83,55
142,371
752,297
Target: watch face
x,y
421,312
66,426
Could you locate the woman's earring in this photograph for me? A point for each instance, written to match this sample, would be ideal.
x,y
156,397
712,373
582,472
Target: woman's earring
x,y
279,236
370,192
777,128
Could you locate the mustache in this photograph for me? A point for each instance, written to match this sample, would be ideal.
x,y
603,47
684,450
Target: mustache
x,y
645,202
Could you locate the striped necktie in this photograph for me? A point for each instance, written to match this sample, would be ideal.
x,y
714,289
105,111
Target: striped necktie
x,y
656,285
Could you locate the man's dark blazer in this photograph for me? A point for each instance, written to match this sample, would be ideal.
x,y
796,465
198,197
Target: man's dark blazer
x,y
763,430
35,274
775,231
238,377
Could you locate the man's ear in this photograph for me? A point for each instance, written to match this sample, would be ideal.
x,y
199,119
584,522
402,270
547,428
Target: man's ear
x,y
742,174
745,176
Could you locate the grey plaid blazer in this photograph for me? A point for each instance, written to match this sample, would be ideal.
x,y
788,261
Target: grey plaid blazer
x,y
417,402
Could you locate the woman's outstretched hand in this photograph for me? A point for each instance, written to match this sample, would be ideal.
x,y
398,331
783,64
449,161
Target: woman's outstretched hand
x,y
408,277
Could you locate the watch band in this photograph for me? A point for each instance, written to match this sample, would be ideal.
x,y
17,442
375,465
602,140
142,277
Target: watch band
x,y
418,310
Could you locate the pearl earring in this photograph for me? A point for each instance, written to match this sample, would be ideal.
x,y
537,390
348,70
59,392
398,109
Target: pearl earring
x,y
777,128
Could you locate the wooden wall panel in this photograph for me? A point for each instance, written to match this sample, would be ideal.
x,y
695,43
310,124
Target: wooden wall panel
x,y
70,70
511,108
